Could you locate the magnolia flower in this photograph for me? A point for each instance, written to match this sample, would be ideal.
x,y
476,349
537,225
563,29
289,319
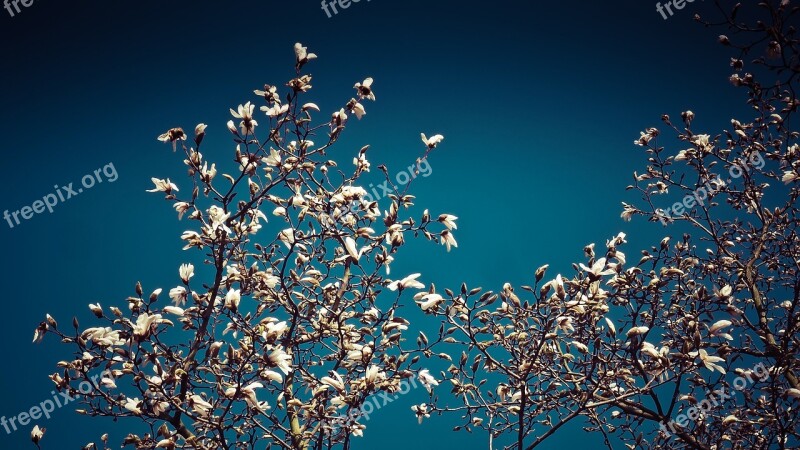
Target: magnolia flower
x,y
620,256
96,309
249,394
275,110
245,112
449,221
335,381
580,346
565,324
274,330
287,237
637,331
338,118
360,353
219,218
273,159
374,374
163,186
281,360
213,349
387,261
350,246
370,315
108,383
428,301
653,352
427,380
104,337
144,323
448,240
709,361
37,434
627,212
702,141
433,141
301,55
232,299
361,162
159,407
270,93
357,429
154,381
365,89
790,176
186,271
395,323
200,405
178,295
232,128
168,444
558,284
208,174
174,310
358,109
133,405
729,420
394,235
421,411
596,271
723,292
271,375
269,279
192,238
407,282
173,135
793,393
718,326
181,208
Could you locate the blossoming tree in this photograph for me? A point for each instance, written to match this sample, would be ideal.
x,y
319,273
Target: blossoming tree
x,y
279,333
692,345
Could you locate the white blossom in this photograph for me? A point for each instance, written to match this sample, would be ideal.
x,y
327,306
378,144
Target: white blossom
x,y
163,186
427,380
409,282
186,272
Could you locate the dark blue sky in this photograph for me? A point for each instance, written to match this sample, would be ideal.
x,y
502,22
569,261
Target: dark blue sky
x,y
539,104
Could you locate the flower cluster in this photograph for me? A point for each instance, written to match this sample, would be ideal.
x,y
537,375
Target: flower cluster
x,y
281,329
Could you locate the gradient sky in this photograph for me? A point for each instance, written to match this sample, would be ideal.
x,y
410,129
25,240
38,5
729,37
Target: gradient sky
x,y
539,103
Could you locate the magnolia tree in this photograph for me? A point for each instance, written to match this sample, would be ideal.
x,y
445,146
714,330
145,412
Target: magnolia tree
x,y
694,343
277,340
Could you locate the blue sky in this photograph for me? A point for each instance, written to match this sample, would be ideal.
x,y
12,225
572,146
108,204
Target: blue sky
x,y
539,105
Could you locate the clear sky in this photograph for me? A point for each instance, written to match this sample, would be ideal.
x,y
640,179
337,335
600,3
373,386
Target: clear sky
x,y
539,103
